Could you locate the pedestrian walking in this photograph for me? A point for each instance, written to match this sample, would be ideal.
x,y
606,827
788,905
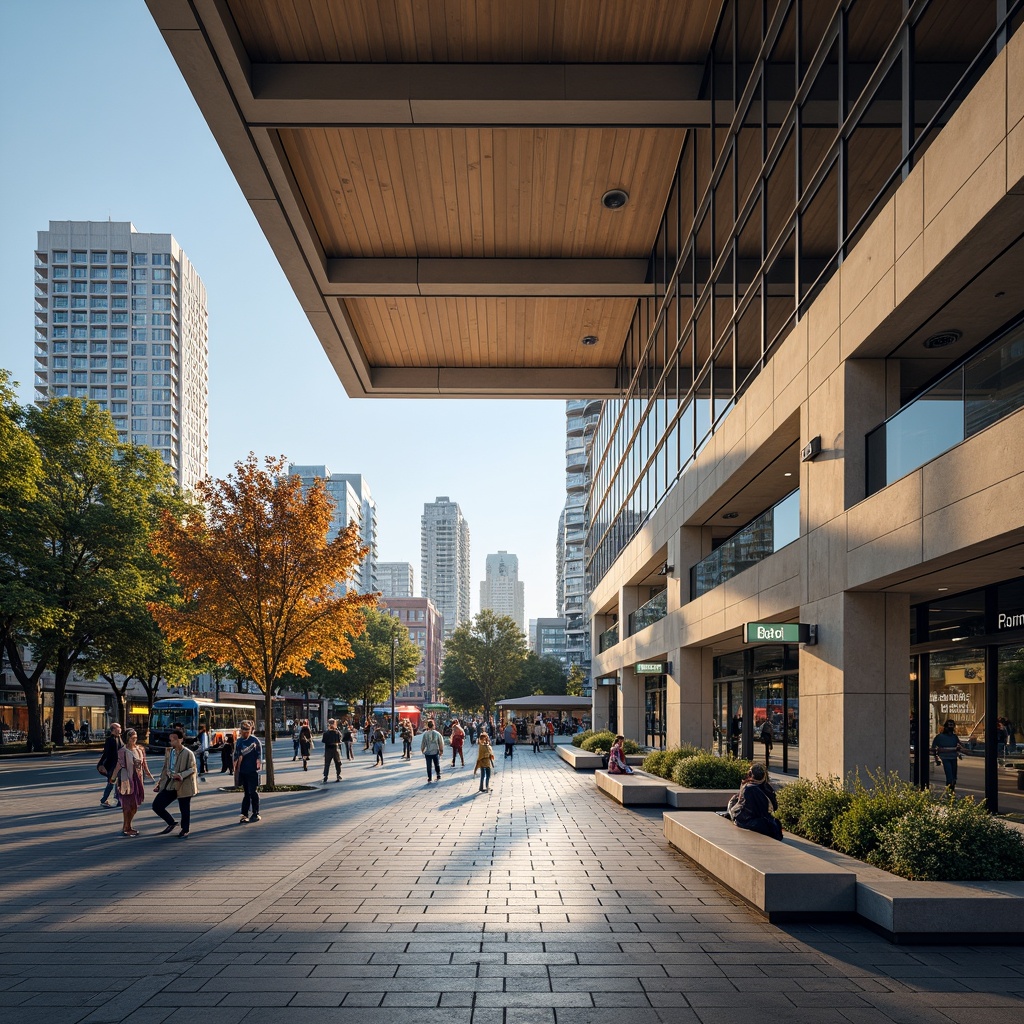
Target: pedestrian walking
x,y
378,746
248,762
432,747
295,741
947,751
538,734
458,736
510,735
406,732
108,763
331,740
767,739
177,782
348,738
227,754
203,752
368,727
305,744
551,733
131,770
484,762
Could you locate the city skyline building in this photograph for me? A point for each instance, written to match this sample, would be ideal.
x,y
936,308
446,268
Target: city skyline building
x,y
352,503
121,320
502,591
426,629
395,579
444,561
581,419
551,640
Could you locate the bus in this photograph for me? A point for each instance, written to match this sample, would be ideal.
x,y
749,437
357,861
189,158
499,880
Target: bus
x,y
220,720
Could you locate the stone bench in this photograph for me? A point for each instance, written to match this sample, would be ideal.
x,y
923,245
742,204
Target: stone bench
x,y
930,912
631,790
582,760
780,880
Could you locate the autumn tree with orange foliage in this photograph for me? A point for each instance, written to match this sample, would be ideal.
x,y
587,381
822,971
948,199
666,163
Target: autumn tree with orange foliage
x,y
258,577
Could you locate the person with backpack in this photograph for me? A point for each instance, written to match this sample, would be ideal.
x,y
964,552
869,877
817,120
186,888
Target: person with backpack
x,y
431,747
484,762
331,740
305,744
405,730
348,737
378,747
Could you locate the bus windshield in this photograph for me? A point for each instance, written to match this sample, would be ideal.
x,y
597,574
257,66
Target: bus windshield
x,y
162,719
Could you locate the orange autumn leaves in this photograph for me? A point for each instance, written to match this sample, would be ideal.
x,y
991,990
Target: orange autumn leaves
x,y
257,575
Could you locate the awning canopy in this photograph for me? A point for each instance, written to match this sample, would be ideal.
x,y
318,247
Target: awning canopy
x,y
543,702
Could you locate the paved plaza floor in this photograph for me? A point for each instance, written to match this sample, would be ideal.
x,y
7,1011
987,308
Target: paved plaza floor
x,y
382,899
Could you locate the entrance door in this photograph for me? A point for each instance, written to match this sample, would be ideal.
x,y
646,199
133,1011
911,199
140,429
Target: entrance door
x,y
655,697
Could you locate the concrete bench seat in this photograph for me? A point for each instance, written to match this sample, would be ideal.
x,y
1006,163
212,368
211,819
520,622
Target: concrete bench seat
x,y
780,880
631,790
930,912
582,760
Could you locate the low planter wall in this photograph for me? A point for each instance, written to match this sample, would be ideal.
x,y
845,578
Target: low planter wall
x,y
582,760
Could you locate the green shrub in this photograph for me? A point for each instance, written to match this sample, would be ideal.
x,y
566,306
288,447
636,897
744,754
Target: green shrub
x,y
577,740
953,841
791,803
596,740
630,747
663,762
654,764
705,770
826,802
872,809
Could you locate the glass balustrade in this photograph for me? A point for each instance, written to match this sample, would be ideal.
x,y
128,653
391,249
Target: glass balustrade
x,y
973,396
768,533
649,613
609,638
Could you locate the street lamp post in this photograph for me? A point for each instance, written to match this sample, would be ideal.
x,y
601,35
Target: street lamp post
x,y
394,644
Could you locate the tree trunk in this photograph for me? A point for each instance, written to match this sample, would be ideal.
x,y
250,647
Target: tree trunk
x,y
268,732
62,670
30,686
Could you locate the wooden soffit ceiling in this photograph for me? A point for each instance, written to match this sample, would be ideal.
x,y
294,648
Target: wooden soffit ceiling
x,y
430,172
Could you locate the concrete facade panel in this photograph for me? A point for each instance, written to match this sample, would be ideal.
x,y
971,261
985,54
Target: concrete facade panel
x,y
975,519
966,142
871,258
890,553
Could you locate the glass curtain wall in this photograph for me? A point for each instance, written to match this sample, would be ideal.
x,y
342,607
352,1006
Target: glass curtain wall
x,y
827,109
655,696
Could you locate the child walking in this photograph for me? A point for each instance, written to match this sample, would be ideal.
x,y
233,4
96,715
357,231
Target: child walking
x,y
484,762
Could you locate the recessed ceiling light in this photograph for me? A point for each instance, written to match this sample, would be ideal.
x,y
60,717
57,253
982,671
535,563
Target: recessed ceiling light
x,y
942,339
942,589
730,515
787,474
589,339
615,199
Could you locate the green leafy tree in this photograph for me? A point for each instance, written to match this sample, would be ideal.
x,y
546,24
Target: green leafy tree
x,y
20,472
79,548
539,676
367,674
575,681
483,661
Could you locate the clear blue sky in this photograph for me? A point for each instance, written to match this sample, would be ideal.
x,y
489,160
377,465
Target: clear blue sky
x,y
97,124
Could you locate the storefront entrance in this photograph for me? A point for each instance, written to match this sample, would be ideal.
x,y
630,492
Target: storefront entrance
x,y
756,695
967,666
655,694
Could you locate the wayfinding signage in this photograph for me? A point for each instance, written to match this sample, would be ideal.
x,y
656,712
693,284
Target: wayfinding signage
x,y
781,633
650,668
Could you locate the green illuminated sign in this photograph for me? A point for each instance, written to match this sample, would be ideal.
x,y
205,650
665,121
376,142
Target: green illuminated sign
x,y
649,668
780,633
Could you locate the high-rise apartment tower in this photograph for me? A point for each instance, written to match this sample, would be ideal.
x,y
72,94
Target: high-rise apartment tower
x,y
502,591
444,561
120,318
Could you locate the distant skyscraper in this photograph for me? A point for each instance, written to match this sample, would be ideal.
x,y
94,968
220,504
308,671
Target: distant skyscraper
x,y
533,635
501,591
394,579
444,561
121,320
581,420
352,503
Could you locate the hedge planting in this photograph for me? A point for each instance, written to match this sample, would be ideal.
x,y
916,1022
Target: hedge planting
x,y
663,762
896,826
601,743
705,770
580,737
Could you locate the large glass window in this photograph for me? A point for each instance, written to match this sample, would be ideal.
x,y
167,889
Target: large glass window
x,y
956,690
655,693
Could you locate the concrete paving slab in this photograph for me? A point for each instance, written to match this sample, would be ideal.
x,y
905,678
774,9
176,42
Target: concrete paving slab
x,y
542,903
